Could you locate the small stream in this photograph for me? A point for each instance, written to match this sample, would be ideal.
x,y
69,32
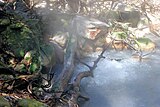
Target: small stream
x,y
125,83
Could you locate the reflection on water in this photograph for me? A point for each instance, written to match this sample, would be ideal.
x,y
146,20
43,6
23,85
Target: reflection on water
x,y
125,83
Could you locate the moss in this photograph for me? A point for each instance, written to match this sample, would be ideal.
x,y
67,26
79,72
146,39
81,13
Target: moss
x,y
144,41
144,44
4,22
19,37
3,102
17,25
30,103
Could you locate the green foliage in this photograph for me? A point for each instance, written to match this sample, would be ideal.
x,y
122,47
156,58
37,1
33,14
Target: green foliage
x,y
144,43
17,25
4,22
33,67
30,63
19,37
143,40
120,35
21,52
35,62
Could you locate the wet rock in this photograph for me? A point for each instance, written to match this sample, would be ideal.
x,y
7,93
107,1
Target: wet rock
x,y
51,54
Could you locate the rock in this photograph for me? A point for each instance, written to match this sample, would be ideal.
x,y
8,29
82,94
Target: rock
x,y
60,39
59,53
48,55
87,27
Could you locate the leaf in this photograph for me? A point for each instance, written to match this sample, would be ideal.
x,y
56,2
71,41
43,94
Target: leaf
x,y
28,56
20,67
33,67
16,26
120,35
21,53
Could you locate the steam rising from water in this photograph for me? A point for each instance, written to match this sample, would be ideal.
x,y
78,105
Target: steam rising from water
x,y
125,83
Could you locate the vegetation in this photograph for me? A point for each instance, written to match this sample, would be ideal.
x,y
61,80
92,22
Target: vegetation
x,y
34,41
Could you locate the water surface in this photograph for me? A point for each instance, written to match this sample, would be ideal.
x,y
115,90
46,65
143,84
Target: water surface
x,y
125,83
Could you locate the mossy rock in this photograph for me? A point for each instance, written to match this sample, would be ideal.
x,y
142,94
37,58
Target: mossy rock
x,y
144,44
4,102
17,25
20,35
19,39
4,22
31,62
30,103
47,54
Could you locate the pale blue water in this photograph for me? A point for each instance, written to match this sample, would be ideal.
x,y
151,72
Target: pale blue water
x,y
128,83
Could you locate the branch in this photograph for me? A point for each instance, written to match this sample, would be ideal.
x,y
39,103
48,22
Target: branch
x,y
76,84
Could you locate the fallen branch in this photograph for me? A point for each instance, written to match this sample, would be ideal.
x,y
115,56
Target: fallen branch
x,y
76,84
